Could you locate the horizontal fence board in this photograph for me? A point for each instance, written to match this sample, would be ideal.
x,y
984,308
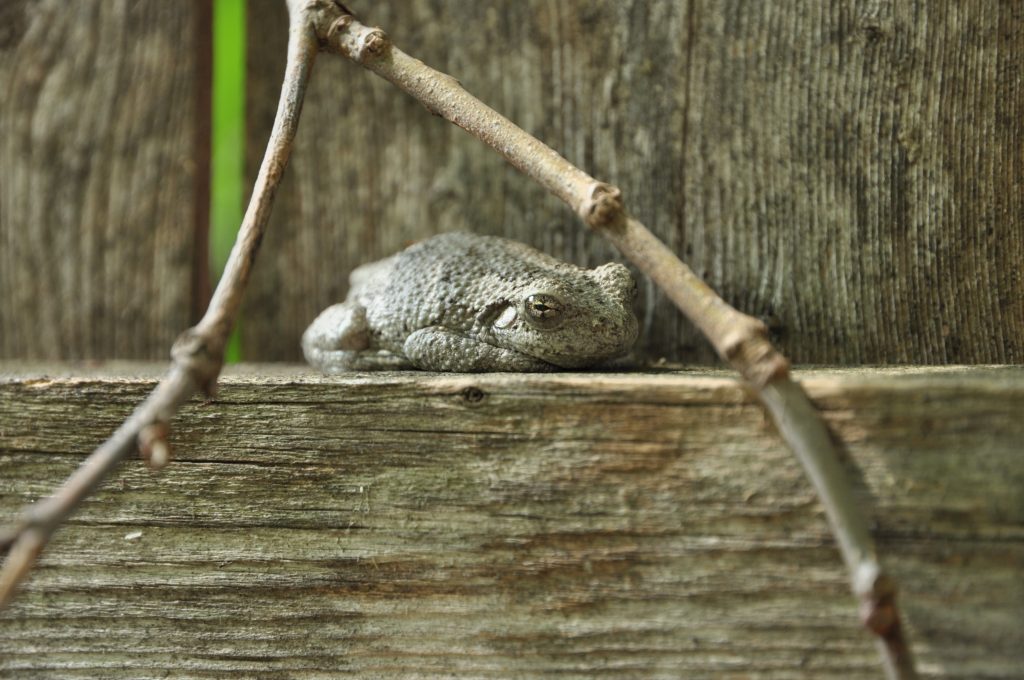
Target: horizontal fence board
x,y
579,525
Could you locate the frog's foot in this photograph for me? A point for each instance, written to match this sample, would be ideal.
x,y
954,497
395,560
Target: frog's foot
x,y
438,349
332,362
338,340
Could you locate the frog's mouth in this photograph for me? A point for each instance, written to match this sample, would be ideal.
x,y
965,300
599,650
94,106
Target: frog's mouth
x,y
506,318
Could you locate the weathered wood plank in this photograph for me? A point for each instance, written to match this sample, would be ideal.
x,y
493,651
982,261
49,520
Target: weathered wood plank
x,y
580,525
103,152
848,171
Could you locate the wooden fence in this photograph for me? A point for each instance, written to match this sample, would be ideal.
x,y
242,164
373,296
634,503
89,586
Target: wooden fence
x,y
849,171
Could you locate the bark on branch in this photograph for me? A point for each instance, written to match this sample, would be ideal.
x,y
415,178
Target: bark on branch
x,y
197,356
739,339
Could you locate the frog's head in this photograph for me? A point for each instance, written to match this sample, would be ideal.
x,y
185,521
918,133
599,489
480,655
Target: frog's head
x,y
571,321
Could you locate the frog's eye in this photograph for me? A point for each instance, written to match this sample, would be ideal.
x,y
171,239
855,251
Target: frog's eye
x,y
543,311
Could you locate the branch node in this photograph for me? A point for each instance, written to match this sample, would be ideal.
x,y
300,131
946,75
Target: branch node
x,y
747,348
153,445
338,25
877,592
197,353
345,35
603,205
373,45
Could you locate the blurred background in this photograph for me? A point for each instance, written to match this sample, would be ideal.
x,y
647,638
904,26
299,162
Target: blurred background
x,y
850,172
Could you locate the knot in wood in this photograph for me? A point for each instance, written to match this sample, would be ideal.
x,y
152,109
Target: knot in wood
x,y
472,394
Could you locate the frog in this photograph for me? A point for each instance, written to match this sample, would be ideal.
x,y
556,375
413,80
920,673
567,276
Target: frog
x,y
469,303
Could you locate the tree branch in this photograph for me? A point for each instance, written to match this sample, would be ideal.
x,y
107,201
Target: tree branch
x,y
739,339
197,356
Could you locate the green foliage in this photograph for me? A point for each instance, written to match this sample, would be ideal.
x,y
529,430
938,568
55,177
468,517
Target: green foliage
x,y
227,171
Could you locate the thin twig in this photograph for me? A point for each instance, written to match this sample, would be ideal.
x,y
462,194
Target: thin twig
x,y
802,427
739,339
197,356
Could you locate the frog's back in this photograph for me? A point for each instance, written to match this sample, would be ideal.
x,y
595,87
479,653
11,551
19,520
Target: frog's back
x,y
449,279
471,260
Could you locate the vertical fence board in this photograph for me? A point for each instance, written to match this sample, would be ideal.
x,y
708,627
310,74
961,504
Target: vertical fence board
x,y
849,171
103,148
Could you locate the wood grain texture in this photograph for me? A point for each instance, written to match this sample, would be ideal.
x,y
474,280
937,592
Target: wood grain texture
x,y
570,525
103,159
847,171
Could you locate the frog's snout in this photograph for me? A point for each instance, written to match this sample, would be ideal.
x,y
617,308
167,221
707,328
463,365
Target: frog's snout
x,y
615,278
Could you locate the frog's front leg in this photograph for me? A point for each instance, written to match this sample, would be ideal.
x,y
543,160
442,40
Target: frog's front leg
x,y
439,349
339,340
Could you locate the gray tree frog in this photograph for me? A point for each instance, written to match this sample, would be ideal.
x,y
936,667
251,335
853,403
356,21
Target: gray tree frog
x,y
464,302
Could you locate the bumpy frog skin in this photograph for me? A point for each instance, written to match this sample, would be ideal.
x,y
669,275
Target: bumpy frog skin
x,y
463,302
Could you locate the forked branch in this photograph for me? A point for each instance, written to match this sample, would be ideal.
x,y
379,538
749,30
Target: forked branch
x,y
739,339
197,356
